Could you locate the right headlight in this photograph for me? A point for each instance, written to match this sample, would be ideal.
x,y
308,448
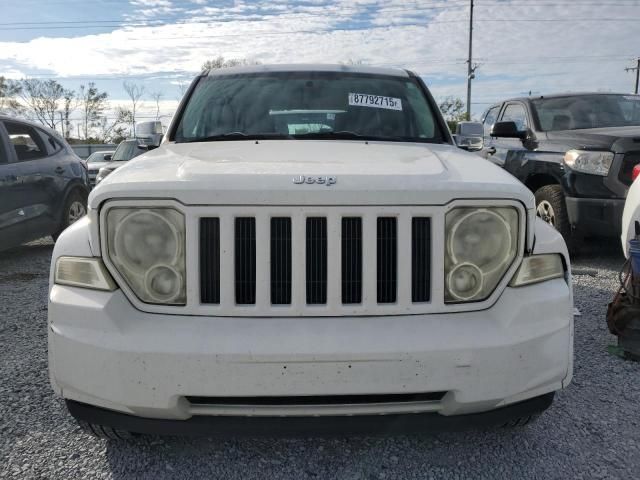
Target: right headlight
x,y
146,246
586,161
481,245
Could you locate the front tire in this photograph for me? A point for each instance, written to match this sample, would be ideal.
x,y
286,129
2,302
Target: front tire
x,y
552,208
108,433
74,209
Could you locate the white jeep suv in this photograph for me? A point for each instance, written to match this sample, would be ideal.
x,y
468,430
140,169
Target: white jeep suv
x,y
308,250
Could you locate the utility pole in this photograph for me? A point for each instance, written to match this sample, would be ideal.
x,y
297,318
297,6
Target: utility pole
x,y
470,67
637,70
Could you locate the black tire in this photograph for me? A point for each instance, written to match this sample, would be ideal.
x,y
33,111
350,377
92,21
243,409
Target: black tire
x,y
520,422
552,208
107,433
71,212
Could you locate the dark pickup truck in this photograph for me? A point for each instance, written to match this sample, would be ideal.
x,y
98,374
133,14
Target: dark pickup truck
x,y
576,152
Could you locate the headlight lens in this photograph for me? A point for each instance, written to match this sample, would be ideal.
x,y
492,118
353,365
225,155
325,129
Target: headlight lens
x,y
481,244
595,163
538,268
83,272
146,245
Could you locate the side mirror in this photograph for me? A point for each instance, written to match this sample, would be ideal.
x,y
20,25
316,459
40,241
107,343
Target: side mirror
x,y
108,157
469,136
507,130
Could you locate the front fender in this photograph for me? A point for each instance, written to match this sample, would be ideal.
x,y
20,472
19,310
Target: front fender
x,y
549,240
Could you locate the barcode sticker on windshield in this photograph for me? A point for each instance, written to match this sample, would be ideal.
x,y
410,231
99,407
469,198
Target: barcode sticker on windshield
x,y
374,101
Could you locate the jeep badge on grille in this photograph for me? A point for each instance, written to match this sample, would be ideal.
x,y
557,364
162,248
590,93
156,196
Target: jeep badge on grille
x,y
326,180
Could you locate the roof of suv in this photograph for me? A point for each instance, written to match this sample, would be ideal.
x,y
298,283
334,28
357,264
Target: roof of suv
x,y
559,95
49,130
396,72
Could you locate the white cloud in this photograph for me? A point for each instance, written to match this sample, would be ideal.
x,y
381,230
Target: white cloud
x,y
515,56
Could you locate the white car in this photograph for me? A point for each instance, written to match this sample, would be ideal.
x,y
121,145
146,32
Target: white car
x,y
308,250
631,213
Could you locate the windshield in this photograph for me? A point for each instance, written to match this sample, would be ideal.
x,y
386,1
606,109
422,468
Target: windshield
x,y
126,151
587,111
308,105
98,156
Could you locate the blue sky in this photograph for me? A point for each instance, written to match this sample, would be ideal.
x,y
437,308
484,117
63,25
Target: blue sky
x,y
542,46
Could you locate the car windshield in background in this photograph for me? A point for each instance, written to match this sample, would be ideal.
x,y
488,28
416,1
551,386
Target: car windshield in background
x,y
126,151
308,105
98,156
587,111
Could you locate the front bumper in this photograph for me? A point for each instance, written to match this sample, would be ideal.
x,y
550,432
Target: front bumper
x,y
219,426
598,216
105,353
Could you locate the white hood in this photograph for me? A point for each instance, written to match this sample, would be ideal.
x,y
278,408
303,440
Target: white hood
x,y
262,173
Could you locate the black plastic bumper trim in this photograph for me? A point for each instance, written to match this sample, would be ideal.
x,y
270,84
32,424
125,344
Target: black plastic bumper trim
x,y
601,216
223,426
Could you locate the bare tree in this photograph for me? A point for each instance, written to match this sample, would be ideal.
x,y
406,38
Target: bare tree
x,y
156,96
220,62
93,104
182,88
116,130
42,99
9,90
135,93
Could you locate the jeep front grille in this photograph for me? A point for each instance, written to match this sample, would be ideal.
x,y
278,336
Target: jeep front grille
x,y
245,260
330,250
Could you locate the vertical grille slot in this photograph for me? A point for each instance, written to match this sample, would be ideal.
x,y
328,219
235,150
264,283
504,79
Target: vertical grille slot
x,y
245,260
387,240
210,260
351,260
316,260
280,261
420,259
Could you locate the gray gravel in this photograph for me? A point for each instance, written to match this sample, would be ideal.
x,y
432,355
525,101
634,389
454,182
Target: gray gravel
x,y
591,431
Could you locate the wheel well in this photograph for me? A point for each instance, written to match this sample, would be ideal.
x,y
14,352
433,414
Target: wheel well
x,y
534,182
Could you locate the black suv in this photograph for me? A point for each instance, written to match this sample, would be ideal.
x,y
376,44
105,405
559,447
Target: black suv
x,y
576,152
43,184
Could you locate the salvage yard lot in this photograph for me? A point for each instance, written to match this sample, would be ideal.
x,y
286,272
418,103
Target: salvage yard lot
x,y
591,431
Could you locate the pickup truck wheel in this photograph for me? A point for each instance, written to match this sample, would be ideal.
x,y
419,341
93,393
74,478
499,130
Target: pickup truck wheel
x,y
74,209
107,433
551,207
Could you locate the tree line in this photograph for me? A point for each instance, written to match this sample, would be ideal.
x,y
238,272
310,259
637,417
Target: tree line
x,y
48,102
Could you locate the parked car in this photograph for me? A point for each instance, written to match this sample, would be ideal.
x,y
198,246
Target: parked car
x,y
631,213
43,184
127,150
576,152
308,249
96,161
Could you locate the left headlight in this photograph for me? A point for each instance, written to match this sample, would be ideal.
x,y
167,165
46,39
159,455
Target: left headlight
x,y
585,161
146,246
481,245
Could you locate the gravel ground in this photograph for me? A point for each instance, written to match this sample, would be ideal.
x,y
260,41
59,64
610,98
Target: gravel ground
x,y
591,431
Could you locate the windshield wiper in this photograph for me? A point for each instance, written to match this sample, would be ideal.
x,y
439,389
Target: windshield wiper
x,y
233,136
340,135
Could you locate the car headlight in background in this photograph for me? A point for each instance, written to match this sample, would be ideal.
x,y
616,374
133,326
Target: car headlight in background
x,y
481,245
146,246
103,173
585,161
